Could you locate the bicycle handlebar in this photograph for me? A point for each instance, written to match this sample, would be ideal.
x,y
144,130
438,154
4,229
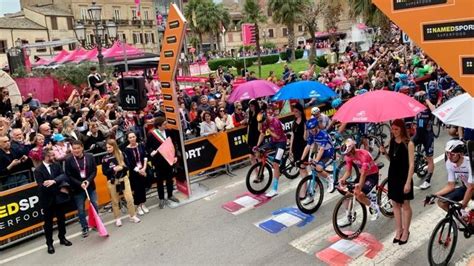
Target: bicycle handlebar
x,y
429,201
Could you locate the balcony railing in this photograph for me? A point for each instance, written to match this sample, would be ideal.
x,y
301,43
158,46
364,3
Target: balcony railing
x,y
148,22
136,22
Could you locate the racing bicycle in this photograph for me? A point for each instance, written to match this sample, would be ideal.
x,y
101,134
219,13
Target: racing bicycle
x,y
260,175
350,215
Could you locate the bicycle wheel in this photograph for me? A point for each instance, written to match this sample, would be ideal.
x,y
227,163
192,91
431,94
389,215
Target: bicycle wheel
x,y
289,168
374,146
443,242
349,217
259,178
383,132
383,201
341,169
309,194
420,162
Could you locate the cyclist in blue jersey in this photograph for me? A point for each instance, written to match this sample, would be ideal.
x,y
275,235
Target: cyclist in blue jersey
x,y
318,141
424,134
435,94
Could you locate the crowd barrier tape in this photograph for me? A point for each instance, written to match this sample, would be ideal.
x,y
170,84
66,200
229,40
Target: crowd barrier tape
x,y
205,153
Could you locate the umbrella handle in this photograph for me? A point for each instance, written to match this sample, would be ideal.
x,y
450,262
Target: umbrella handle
x,y
87,194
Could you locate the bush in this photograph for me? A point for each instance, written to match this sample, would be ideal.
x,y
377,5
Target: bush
x,y
270,59
215,63
269,45
283,56
299,53
239,63
321,61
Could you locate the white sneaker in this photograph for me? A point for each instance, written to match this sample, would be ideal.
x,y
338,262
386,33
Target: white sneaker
x,y
375,212
425,185
307,200
272,193
118,222
145,209
140,211
135,219
331,187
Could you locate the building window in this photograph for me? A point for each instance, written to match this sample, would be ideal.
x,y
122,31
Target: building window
x,y
124,37
23,42
91,39
117,13
72,46
70,25
57,48
271,33
54,23
134,13
40,49
152,36
147,40
145,14
135,38
285,32
141,38
3,46
269,12
300,28
84,13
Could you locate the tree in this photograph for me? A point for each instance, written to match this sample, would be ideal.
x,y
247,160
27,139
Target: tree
x,y
310,21
372,15
288,13
253,14
331,11
223,22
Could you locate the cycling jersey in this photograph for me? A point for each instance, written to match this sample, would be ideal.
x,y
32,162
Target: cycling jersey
x,y
461,173
364,162
276,127
323,120
424,121
322,139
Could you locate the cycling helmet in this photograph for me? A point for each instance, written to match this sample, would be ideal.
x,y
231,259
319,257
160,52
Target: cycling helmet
x,y
315,110
432,85
420,97
455,146
312,123
336,103
347,146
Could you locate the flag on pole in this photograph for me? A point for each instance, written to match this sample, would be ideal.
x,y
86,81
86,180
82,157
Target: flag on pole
x,y
137,5
94,219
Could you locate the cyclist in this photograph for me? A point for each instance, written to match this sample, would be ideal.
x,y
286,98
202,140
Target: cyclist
x,y
369,174
435,94
273,126
459,170
323,120
325,152
424,135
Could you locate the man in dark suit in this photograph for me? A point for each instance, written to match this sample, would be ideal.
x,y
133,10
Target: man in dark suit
x,y
51,184
81,170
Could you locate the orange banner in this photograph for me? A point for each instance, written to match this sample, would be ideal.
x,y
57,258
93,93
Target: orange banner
x,y
444,29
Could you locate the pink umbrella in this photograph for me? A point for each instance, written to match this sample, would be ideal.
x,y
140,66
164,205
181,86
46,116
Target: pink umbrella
x,y
59,56
252,90
378,106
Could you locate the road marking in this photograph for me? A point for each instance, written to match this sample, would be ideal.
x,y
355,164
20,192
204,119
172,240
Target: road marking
x,y
31,251
235,184
438,159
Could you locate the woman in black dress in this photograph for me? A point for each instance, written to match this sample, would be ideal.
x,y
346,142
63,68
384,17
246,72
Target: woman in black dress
x,y
401,155
252,130
298,135
137,163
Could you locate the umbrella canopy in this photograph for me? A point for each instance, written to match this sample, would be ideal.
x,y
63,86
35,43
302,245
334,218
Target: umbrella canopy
x,y
253,89
117,50
89,56
304,90
42,61
378,106
14,93
459,111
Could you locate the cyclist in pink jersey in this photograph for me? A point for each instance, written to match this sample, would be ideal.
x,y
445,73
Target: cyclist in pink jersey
x,y
271,125
369,174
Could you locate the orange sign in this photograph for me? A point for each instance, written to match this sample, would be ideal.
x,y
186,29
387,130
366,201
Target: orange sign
x,y
444,29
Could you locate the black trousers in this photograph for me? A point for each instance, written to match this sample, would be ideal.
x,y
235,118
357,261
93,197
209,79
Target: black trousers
x,y
49,214
138,184
164,174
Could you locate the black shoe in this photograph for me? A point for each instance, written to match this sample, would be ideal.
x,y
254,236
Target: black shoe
x,y
50,249
85,232
174,199
400,242
65,242
395,241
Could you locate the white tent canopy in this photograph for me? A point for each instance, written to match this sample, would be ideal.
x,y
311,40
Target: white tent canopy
x,y
7,82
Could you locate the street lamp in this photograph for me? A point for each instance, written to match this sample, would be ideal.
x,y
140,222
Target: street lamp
x,y
104,34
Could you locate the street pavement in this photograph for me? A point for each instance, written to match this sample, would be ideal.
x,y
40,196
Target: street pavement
x,y
204,233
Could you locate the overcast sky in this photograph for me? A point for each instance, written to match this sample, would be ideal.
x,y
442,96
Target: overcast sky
x,y
9,6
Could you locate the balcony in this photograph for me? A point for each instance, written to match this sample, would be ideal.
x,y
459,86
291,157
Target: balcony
x,y
121,22
148,23
136,22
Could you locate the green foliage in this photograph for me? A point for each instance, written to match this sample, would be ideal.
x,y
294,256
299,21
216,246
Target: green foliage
x,y
247,48
269,45
270,59
215,63
239,63
321,61
76,75
299,53
20,72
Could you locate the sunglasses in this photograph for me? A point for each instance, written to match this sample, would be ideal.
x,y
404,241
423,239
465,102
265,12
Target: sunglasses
x,y
221,111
